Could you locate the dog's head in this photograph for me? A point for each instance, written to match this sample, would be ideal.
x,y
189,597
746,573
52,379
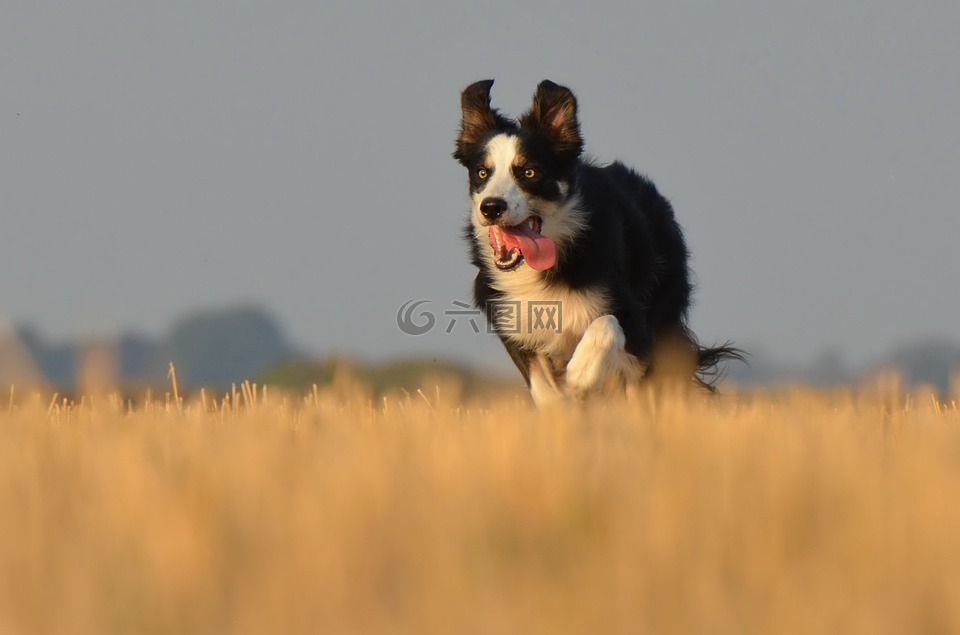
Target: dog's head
x,y
522,174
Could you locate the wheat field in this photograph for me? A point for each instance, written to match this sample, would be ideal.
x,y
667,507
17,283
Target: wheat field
x,y
260,512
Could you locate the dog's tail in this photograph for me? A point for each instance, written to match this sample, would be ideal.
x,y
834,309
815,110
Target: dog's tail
x,y
710,360
678,356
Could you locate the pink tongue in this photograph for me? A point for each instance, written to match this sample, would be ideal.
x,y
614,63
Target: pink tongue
x,y
538,251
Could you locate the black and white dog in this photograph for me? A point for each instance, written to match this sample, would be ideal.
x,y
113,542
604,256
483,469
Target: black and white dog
x,y
596,246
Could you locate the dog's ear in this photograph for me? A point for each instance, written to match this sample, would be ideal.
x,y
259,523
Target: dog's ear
x,y
477,118
554,113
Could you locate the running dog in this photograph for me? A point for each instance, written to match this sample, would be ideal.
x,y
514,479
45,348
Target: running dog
x,y
582,267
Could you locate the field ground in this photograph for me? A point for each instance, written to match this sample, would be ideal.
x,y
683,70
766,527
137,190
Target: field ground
x,y
794,512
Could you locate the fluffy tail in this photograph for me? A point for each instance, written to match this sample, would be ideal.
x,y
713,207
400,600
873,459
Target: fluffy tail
x,y
678,355
709,360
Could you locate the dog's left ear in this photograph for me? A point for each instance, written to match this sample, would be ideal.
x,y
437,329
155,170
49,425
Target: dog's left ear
x,y
554,113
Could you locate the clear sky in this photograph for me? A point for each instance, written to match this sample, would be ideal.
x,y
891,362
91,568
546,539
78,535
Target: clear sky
x,y
166,156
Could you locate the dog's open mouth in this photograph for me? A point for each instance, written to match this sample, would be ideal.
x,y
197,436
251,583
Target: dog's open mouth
x,y
521,243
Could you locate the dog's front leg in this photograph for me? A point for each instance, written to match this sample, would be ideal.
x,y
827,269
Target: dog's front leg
x,y
543,383
600,361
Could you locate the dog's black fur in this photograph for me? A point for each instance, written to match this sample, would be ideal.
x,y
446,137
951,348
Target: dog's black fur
x,y
630,245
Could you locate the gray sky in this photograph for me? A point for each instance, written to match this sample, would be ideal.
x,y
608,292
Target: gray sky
x,y
160,157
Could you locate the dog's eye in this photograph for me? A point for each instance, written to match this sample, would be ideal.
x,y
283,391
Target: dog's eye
x,y
529,173
482,173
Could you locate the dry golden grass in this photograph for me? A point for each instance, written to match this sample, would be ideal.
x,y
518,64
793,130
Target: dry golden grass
x,y
801,512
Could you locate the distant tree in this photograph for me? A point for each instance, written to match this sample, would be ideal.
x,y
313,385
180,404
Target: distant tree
x,y
929,361
139,360
215,348
18,362
57,362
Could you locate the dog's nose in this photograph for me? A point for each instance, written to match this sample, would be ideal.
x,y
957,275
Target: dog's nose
x,y
493,208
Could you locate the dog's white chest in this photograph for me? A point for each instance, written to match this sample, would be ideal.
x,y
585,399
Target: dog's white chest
x,y
544,319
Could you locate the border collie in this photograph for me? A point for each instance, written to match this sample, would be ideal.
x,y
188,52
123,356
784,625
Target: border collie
x,y
582,268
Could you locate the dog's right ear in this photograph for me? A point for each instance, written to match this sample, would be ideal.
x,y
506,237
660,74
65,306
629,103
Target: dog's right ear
x,y
477,118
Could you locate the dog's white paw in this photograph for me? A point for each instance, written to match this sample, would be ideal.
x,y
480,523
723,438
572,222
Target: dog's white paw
x,y
598,356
